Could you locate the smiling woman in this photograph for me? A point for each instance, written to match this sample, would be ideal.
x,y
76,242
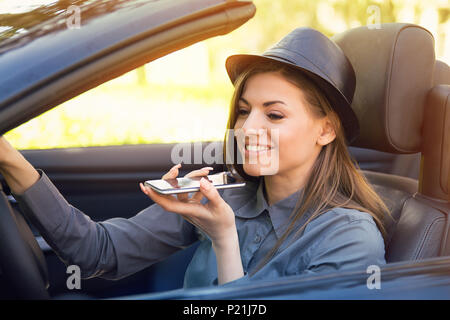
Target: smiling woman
x,y
296,93
310,148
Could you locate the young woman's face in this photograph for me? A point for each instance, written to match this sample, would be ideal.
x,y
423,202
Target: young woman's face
x,y
278,133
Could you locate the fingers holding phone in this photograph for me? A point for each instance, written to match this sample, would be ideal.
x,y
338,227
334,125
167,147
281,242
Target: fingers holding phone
x,y
215,218
198,196
172,173
199,173
171,176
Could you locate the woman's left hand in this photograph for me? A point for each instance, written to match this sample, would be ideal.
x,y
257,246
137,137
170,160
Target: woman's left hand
x,y
215,218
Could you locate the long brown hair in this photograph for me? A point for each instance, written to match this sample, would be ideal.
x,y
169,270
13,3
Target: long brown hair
x,y
334,180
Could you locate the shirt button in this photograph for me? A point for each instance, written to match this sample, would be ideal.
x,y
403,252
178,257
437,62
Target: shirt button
x,y
257,238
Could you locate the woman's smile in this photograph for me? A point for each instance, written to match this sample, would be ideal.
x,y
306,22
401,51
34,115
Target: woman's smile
x,y
256,149
257,152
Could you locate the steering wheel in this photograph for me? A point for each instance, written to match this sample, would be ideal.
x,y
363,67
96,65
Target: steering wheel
x,y
22,263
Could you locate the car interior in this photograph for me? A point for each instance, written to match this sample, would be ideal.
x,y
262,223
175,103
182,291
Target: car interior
x,y
403,150
401,116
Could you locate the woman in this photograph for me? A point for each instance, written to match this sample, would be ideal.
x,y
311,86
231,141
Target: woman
x,y
310,212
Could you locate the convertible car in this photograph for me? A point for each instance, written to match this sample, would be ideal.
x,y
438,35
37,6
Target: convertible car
x,y
401,100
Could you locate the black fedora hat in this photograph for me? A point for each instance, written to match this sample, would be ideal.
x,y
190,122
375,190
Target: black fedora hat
x,y
322,60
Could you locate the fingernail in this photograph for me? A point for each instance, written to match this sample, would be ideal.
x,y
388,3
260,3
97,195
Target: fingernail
x,y
205,183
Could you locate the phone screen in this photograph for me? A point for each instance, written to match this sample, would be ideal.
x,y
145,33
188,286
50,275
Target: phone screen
x,y
219,180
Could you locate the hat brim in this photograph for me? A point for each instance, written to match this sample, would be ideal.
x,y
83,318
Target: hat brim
x,y
236,64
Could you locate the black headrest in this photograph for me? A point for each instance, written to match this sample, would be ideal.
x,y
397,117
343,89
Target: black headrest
x,y
394,67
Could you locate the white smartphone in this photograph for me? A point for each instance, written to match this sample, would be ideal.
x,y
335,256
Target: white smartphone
x,y
222,180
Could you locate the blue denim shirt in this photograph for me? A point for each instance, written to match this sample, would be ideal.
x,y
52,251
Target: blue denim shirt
x,y
115,248
340,238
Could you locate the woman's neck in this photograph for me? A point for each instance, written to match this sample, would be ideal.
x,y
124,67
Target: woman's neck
x,y
279,187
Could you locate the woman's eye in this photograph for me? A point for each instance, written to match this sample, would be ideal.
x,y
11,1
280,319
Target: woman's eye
x,y
275,116
242,112
272,116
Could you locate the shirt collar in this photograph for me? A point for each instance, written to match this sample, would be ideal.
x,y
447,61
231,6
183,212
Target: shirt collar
x,y
279,212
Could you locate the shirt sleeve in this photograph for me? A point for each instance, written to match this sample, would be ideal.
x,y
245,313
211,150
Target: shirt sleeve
x,y
110,249
355,244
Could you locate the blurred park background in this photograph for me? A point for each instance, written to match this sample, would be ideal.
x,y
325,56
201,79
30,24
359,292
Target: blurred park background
x,y
185,96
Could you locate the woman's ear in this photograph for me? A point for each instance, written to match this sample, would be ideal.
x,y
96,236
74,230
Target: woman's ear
x,y
327,133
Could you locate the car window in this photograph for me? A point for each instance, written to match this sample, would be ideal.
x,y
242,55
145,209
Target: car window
x,y
165,101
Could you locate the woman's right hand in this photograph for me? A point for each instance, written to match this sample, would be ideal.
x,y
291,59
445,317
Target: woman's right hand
x,y
215,218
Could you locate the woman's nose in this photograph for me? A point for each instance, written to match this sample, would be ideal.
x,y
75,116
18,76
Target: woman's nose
x,y
254,130
253,123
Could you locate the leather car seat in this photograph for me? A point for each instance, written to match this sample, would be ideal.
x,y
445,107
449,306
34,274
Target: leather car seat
x,y
402,102
408,165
